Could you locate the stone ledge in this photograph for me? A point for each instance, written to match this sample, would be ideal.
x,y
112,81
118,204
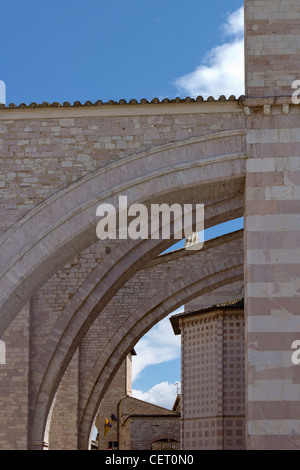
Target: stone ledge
x,y
267,106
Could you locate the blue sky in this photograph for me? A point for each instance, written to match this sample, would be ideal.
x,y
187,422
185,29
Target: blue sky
x,y
69,50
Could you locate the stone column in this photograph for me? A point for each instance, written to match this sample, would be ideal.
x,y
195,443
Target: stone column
x,y
63,433
61,430
272,224
14,384
272,277
272,39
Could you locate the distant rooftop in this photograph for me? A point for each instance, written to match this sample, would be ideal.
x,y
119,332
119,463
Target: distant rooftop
x,y
237,304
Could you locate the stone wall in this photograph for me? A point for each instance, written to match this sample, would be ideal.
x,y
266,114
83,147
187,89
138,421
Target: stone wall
x,y
63,433
143,423
139,433
118,389
45,150
272,229
272,47
14,391
272,240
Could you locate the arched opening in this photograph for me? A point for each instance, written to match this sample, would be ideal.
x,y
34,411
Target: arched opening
x,y
230,251
165,444
196,177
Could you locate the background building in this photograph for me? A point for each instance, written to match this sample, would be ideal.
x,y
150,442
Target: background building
x,y
212,376
135,424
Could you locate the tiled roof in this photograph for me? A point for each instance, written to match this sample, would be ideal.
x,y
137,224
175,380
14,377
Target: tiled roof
x,y
121,102
237,304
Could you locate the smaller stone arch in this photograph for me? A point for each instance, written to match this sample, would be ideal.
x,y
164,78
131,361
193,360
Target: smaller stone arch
x,y
131,255
165,441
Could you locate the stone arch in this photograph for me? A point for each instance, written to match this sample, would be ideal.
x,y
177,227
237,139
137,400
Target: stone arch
x,y
222,211
56,230
232,208
216,255
161,437
165,435
224,272
66,224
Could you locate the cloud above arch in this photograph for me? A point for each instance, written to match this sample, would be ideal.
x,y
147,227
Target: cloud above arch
x,y
222,69
157,346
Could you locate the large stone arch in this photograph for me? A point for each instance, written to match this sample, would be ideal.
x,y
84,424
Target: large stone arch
x,y
216,281
171,266
48,382
55,231
52,233
271,202
215,213
220,263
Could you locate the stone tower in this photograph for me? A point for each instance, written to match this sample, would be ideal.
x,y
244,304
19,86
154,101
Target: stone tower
x,y
272,223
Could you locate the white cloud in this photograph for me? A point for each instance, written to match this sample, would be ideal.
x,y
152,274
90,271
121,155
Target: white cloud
x,y
222,70
234,25
162,394
157,346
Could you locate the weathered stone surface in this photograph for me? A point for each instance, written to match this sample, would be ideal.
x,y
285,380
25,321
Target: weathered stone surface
x,y
235,156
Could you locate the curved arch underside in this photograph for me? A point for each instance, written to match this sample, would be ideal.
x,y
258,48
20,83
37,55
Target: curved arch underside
x,y
183,277
210,168
233,207
64,225
80,320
